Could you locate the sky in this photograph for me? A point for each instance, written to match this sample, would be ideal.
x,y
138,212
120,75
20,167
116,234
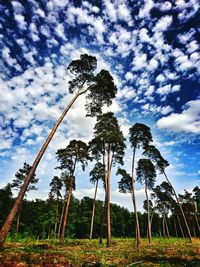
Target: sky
x,y
151,48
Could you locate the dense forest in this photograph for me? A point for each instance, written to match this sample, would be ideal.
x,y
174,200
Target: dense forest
x,y
38,217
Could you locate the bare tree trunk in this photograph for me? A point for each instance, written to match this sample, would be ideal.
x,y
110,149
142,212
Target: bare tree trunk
x,y
61,219
137,225
166,225
102,220
105,201
66,212
163,224
178,203
194,231
7,224
148,215
198,227
18,218
56,220
108,198
93,210
175,228
180,226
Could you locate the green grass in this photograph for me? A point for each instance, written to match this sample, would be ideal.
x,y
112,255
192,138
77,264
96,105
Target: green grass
x,y
162,252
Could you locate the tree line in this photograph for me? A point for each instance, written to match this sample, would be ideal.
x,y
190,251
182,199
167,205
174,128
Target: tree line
x,y
38,218
107,150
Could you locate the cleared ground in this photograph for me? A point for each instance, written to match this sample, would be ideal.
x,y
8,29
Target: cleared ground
x,y
74,253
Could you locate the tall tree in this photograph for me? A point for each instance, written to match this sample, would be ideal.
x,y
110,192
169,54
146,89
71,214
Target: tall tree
x,y
108,142
154,154
17,183
140,136
99,90
76,152
164,201
146,174
96,174
125,186
54,195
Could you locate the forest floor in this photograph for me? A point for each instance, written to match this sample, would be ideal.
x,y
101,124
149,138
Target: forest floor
x,y
86,253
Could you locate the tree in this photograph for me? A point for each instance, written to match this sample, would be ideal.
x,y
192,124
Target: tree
x,y
54,194
154,154
96,174
146,175
100,90
76,152
163,202
108,143
189,207
140,136
17,183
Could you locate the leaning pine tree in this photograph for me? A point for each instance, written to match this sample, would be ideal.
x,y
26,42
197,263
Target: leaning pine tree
x,y
99,90
154,154
108,142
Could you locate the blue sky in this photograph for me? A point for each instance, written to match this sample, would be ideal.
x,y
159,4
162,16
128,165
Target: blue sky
x,y
150,47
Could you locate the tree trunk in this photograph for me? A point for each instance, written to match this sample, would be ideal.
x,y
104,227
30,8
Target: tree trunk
x,y
93,210
56,219
198,227
183,214
7,224
137,226
194,231
61,219
148,216
175,228
66,212
180,226
105,201
108,199
102,220
167,229
163,224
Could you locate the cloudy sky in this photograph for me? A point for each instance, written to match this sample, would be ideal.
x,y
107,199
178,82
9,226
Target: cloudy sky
x,y
150,47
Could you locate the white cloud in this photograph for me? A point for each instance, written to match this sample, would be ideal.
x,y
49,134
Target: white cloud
x,y
129,76
21,21
145,10
187,121
163,23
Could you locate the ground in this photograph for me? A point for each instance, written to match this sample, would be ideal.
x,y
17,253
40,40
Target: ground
x,y
86,253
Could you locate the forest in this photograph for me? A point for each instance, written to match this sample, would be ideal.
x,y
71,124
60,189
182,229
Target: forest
x,y
167,214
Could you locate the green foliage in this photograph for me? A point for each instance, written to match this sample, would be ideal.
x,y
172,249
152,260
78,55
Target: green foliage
x,y
107,133
100,88
21,176
97,173
146,173
6,202
76,151
83,69
56,186
101,92
125,184
140,135
154,154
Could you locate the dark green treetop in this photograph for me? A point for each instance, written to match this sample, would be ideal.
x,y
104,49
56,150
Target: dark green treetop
x,y
146,173
21,176
125,184
140,135
100,87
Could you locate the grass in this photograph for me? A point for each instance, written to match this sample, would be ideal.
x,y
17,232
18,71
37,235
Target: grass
x,y
76,252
